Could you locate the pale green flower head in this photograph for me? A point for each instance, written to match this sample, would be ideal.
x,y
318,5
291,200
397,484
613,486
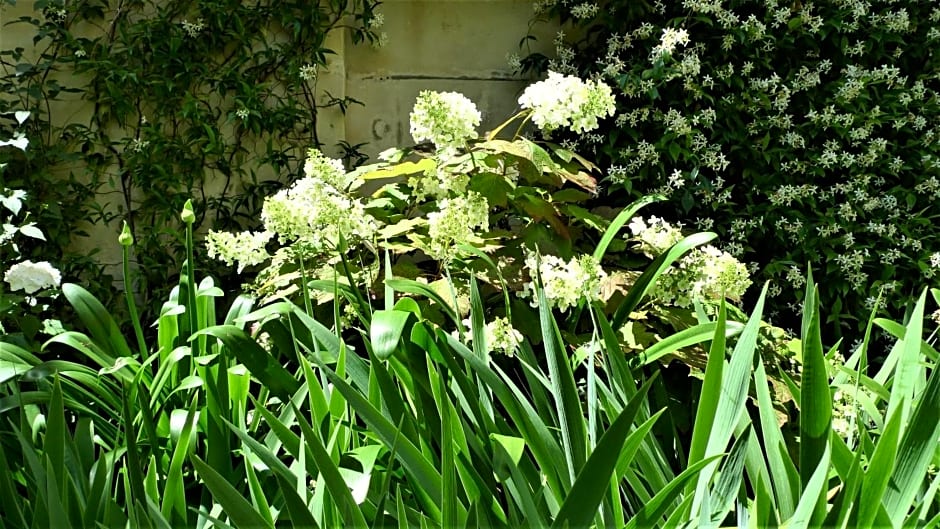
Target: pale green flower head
x,y
719,274
316,215
564,101
455,223
447,119
502,337
655,235
328,170
565,283
439,182
499,336
241,249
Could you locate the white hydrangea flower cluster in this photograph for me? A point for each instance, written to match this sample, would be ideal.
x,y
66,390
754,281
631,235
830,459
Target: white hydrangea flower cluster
x,y
565,283
241,249
316,215
655,235
439,182
567,101
704,273
845,412
447,119
313,214
455,223
318,166
32,277
499,335
502,337
720,274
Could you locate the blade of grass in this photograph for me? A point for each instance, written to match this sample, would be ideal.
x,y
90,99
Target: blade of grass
x,y
352,515
711,389
813,498
815,406
651,514
879,471
173,507
785,478
701,332
237,508
259,362
918,443
426,476
104,331
734,389
729,481
584,498
564,390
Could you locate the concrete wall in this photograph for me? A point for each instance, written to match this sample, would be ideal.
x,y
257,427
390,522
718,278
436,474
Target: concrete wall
x,y
449,45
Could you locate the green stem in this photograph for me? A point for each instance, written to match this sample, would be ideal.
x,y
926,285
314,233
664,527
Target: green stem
x,y
131,304
453,297
303,286
519,130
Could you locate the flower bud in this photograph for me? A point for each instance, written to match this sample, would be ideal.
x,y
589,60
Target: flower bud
x,y
188,215
126,238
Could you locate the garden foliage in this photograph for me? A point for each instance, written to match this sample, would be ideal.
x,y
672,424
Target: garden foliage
x,y
460,349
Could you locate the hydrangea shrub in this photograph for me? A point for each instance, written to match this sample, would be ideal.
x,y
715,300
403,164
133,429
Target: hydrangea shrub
x,y
512,212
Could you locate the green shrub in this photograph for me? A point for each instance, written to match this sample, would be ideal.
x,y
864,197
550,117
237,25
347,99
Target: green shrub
x,y
799,132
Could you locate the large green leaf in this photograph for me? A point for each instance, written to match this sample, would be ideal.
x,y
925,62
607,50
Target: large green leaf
x,y
593,481
237,508
267,369
386,331
685,338
104,331
815,399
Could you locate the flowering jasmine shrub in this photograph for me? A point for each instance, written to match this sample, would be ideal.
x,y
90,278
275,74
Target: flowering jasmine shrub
x,y
801,132
504,209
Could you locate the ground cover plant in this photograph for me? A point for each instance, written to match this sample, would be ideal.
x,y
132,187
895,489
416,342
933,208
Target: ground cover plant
x,y
802,133
438,354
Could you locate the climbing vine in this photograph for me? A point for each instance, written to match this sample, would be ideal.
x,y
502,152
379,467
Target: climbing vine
x,y
137,105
